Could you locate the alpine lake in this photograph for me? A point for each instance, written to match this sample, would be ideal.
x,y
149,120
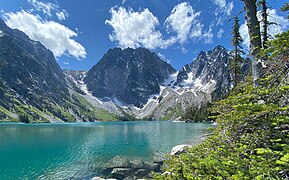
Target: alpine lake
x,y
83,150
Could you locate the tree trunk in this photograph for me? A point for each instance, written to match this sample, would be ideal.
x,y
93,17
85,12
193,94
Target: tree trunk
x,y
255,39
265,23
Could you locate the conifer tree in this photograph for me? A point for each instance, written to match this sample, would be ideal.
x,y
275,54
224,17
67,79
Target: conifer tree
x,y
238,50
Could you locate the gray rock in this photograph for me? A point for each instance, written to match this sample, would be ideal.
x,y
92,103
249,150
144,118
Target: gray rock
x,y
118,162
142,172
121,172
261,102
180,149
97,178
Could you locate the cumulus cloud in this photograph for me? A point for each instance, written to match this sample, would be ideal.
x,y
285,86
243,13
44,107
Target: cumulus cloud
x,y
49,9
186,23
135,29
181,20
281,25
52,35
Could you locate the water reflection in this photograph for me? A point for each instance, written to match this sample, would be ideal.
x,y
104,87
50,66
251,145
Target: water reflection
x,y
67,150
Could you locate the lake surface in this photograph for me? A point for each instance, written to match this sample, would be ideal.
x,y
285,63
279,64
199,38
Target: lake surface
x,y
71,151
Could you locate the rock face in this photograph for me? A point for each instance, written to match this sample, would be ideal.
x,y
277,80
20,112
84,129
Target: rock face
x,y
208,66
207,78
129,76
29,69
211,65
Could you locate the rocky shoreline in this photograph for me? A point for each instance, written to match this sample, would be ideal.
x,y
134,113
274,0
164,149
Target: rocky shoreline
x,y
122,168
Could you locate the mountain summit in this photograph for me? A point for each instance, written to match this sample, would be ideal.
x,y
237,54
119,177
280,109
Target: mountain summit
x,y
129,76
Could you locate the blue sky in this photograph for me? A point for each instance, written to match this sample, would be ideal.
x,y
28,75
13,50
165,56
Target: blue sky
x,y
80,32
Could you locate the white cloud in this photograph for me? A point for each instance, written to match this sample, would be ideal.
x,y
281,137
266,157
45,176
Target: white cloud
x,y
62,15
135,29
229,8
208,36
181,20
223,7
220,3
48,9
184,21
220,33
196,31
52,35
282,25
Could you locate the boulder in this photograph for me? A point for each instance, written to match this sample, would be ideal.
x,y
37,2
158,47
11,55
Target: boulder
x,y
179,149
121,173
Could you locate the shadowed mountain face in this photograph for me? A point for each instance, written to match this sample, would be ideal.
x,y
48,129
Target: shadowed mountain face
x,y
29,70
131,75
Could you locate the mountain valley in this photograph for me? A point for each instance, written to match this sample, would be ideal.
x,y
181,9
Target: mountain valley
x,y
125,84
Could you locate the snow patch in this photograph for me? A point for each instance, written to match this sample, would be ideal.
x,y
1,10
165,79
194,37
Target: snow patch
x,y
171,80
1,33
190,78
84,88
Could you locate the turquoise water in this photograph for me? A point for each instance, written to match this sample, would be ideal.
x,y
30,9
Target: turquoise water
x,y
71,151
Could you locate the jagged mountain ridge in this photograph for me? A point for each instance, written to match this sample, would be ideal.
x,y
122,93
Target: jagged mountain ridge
x,y
130,76
208,77
208,66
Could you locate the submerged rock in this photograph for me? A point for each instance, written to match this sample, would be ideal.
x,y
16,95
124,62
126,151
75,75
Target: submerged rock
x,y
121,173
123,168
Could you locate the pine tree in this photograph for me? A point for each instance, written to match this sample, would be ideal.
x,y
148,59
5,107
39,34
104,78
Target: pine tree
x,y
238,50
255,39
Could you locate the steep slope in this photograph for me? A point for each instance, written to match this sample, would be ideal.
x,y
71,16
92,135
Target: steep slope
x,y
208,66
33,87
29,68
128,76
207,78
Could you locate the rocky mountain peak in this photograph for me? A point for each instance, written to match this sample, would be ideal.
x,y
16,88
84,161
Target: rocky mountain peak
x,y
129,76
